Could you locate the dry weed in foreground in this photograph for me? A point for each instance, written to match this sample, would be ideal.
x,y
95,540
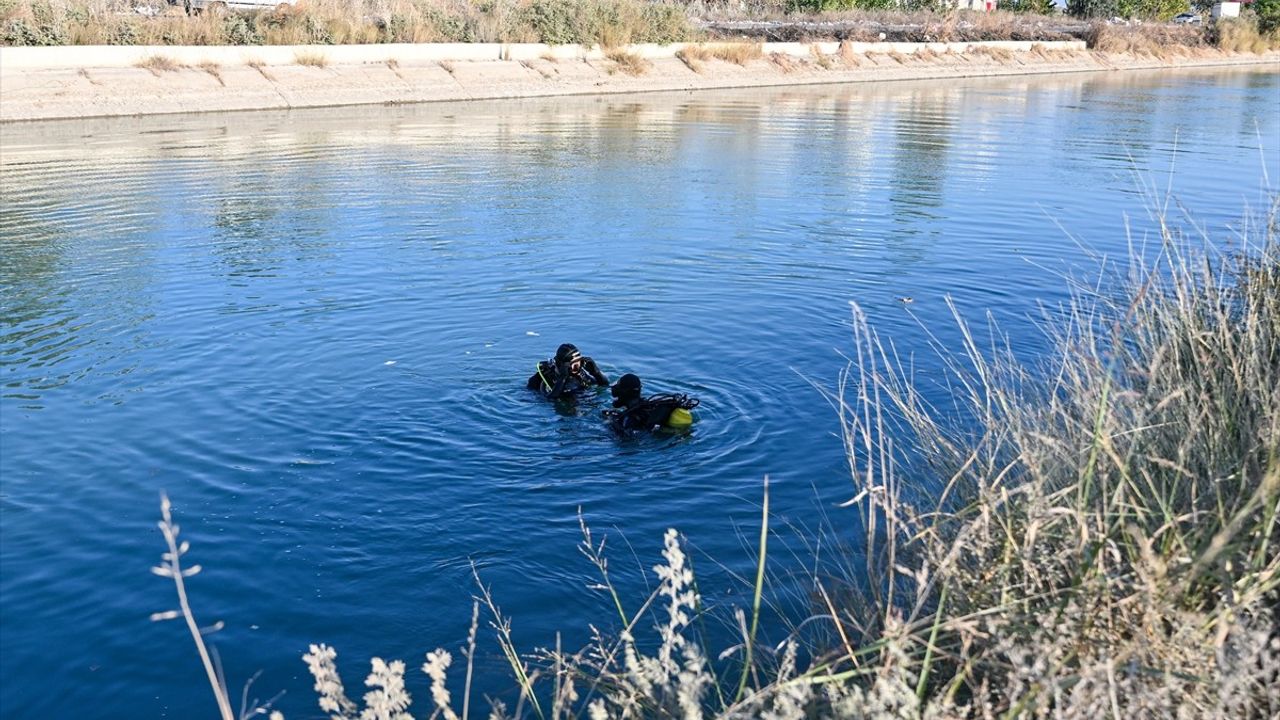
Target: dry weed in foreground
x,y
171,567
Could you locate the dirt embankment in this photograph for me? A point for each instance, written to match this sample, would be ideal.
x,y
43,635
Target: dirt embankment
x,y
132,81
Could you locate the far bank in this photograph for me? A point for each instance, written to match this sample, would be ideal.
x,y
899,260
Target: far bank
x,y
102,81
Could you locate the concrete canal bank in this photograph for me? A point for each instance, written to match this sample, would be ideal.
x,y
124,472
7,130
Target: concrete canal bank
x,y
79,82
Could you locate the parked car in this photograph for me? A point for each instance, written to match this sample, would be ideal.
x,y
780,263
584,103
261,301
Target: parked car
x,y
1187,18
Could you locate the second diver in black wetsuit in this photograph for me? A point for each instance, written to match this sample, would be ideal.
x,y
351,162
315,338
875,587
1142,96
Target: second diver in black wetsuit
x,y
635,413
566,374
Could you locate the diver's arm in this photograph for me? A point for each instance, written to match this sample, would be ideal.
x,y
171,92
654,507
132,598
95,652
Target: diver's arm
x,y
562,379
594,371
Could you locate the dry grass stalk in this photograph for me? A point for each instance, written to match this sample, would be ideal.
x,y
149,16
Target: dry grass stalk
x,y
171,567
546,75
823,60
998,54
261,67
158,64
627,62
693,56
783,62
1147,40
736,53
847,55
214,70
311,58
1241,35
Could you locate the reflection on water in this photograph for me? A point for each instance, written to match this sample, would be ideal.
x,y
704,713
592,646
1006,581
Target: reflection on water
x,y
313,328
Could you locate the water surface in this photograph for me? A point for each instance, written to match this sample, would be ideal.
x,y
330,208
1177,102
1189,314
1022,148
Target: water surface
x,y
312,329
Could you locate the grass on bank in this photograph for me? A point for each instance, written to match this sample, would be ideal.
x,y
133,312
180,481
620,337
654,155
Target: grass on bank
x,y
607,23
1095,536
158,64
627,62
311,59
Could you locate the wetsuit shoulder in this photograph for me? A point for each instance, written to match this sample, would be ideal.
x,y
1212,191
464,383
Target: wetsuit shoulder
x,y
543,378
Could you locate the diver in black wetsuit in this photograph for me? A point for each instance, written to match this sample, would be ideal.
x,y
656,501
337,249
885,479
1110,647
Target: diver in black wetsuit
x,y
566,374
634,412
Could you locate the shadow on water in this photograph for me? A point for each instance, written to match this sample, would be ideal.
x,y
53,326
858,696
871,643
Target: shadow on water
x,y
313,330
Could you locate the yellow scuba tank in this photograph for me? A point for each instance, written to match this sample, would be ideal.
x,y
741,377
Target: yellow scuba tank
x,y
679,419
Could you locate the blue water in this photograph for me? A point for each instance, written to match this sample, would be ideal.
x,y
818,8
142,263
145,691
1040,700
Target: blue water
x,y
312,329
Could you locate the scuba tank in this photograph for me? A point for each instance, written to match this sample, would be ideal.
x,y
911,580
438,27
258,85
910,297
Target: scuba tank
x,y
668,411
676,407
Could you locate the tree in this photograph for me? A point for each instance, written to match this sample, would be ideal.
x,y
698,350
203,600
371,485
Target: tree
x,y
1268,15
1091,8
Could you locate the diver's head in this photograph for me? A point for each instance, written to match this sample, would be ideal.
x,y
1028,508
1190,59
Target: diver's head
x,y
567,355
626,390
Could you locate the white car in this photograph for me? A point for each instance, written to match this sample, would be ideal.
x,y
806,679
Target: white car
x,y
1187,19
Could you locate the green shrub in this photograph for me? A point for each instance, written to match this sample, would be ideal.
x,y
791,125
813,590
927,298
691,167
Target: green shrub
x,y
1268,12
398,29
1034,7
236,30
666,23
21,32
452,27
555,21
123,33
